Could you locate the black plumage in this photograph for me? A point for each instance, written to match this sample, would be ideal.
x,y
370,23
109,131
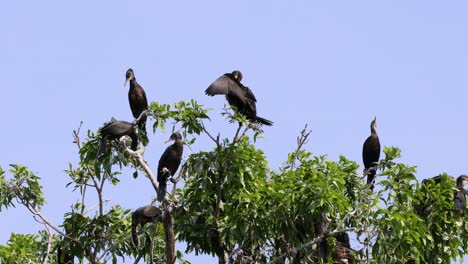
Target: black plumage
x,y
459,195
437,179
115,130
142,216
371,154
237,95
343,249
170,160
137,99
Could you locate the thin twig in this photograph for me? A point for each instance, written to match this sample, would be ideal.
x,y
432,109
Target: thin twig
x,y
38,214
143,114
302,139
76,136
235,139
49,244
144,165
216,141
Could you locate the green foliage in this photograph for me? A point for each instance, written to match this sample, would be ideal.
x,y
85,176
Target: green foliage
x,y
220,185
24,186
24,248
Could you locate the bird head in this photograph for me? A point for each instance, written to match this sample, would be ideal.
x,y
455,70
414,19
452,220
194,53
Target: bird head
x,y
462,180
374,124
237,75
129,76
175,136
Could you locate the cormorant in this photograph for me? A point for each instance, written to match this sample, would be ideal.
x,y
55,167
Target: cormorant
x,y
238,95
136,98
437,179
116,130
371,153
143,215
343,249
170,160
459,195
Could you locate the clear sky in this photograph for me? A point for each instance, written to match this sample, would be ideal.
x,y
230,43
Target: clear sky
x,y
331,64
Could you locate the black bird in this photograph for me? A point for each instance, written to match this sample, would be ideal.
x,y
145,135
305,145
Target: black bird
x,y
170,160
115,130
437,179
143,215
459,195
371,154
237,95
136,98
343,249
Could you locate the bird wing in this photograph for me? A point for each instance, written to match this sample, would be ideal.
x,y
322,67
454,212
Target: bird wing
x,y
165,157
226,85
138,101
250,100
371,151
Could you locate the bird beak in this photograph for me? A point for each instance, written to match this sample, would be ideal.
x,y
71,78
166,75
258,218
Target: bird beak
x,y
169,140
125,83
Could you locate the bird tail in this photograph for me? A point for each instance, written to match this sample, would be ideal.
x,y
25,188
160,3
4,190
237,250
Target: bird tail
x,y
263,121
134,233
162,190
370,178
102,147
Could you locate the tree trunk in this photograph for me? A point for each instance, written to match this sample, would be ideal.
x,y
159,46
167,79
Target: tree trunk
x,y
169,233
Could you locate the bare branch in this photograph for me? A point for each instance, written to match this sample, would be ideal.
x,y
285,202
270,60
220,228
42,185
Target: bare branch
x,y
302,139
216,141
142,115
76,135
235,139
139,158
49,245
46,222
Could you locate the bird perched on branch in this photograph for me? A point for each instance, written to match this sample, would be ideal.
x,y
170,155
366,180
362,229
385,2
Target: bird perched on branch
x,y
114,130
237,95
169,163
142,216
137,99
459,195
371,154
343,249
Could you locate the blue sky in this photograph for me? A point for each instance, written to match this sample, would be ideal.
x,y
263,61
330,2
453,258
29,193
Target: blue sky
x,y
331,64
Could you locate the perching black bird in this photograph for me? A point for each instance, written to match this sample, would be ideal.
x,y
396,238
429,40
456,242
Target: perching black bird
x,y
237,95
143,215
136,98
343,249
371,154
115,130
459,195
170,160
437,179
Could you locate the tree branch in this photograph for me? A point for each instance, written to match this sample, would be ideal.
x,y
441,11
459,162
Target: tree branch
x,y
49,244
302,139
46,222
139,158
317,240
216,141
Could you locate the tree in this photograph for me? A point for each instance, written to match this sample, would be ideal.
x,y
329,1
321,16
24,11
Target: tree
x,y
234,207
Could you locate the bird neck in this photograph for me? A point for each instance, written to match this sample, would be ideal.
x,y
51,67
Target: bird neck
x,y
133,83
373,131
